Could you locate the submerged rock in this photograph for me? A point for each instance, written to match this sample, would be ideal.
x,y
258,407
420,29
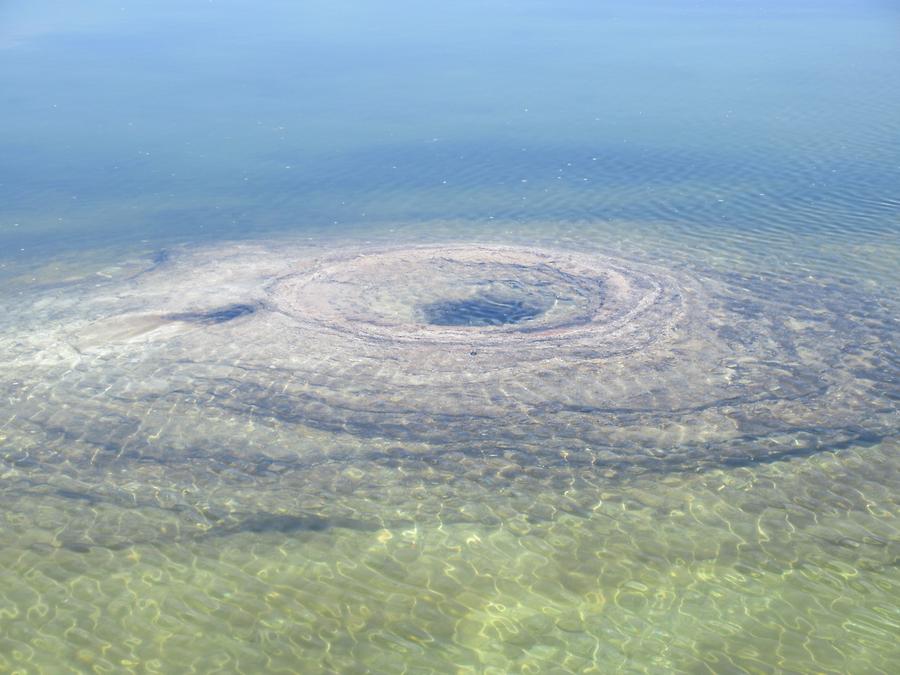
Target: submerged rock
x,y
583,359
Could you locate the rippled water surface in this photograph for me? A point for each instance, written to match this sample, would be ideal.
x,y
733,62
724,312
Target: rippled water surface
x,y
482,338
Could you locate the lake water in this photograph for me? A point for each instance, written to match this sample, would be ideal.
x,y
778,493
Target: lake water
x,y
449,338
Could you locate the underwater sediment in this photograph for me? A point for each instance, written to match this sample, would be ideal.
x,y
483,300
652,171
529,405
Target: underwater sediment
x,y
459,361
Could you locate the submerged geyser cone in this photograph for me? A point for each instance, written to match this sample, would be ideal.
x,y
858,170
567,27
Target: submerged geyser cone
x,y
445,298
539,356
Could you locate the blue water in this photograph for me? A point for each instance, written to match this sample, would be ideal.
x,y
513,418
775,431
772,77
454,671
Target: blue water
x,y
476,337
186,120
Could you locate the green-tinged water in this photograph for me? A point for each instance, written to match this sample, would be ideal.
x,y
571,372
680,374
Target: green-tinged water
x,y
495,338
783,567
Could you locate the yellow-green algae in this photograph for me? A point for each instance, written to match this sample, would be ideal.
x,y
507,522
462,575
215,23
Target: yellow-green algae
x,y
788,566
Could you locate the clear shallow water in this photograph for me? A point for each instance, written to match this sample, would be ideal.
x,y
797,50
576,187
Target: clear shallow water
x,y
329,482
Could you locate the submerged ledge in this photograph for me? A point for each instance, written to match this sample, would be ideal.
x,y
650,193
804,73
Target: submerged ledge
x,y
233,386
588,359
